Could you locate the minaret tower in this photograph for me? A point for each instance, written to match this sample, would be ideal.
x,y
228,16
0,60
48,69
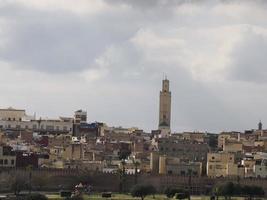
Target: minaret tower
x,y
260,126
165,105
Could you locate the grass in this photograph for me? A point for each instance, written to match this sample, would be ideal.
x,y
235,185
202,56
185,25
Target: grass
x,y
129,197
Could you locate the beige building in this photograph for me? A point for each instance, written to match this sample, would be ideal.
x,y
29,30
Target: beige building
x,y
193,136
7,157
165,106
162,164
222,165
11,114
230,136
232,146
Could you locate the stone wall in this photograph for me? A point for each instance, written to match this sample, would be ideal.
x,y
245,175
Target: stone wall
x,y
54,180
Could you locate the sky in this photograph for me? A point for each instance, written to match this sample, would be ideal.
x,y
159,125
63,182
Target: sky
x,y
108,57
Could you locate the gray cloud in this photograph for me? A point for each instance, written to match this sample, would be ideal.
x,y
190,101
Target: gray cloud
x,y
249,58
58,42
116,58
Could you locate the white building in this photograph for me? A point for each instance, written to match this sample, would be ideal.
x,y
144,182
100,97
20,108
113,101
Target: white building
x,y
15,119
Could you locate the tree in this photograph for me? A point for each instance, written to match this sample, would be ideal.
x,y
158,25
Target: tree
x,y
36,196
142,191
230,189
136,164
227,190
170,192
252,191
122,173
40,181
213,141
18,184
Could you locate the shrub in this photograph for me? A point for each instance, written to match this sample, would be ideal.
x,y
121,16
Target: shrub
x,y
142,191
36,196
170,192
182,195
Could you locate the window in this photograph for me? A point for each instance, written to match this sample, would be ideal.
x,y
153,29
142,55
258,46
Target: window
x,y
1,162
213,158
34,127
5,162
12,162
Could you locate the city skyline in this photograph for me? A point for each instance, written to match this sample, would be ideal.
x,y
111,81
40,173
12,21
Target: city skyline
x,y
57,57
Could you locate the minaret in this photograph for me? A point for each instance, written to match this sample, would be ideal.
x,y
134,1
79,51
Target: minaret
x,y
165,106
260,126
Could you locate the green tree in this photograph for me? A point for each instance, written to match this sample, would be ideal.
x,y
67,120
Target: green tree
x,y
142,191
170,192
18,184
252,191
227,190
40,181
36,196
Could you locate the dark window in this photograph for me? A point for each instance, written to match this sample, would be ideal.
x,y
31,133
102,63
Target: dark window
x,y
5,162
12,162
1,162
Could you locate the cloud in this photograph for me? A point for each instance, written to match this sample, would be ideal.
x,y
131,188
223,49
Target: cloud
x,y
109,56
249,56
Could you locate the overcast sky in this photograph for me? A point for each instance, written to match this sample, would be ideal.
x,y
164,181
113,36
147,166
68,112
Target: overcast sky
x,y
109,56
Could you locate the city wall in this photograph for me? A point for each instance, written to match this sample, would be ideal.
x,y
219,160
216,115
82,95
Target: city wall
x,y
54,180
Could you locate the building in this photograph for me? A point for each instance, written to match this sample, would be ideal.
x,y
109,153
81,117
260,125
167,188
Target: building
x,y
165,106
11,114
222,165
183,149
7,157
260,169
80,117
17,120
230,136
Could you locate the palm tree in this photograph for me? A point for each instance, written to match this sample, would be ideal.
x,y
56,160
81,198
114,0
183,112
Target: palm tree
x,y
122,175
136,164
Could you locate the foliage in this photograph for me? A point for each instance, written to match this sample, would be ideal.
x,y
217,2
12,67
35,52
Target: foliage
x,y
142,191
18,184
40,181
36,196
181,195
213,141
230,189
170,192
